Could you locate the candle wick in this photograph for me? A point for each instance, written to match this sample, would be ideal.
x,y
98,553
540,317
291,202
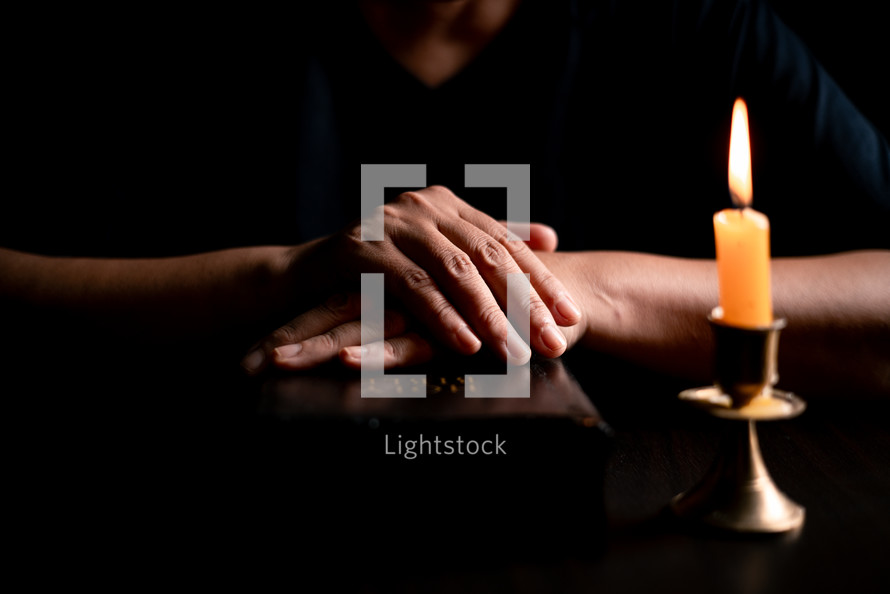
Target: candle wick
x,y
737,202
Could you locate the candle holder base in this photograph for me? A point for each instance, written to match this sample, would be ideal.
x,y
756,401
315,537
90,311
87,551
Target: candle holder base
x,y
738,493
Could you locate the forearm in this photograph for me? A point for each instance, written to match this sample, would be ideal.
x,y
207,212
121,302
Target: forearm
x,y
652,310
184,296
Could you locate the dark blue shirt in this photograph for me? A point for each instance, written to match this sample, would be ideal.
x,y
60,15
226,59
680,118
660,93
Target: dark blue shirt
x,y
210,131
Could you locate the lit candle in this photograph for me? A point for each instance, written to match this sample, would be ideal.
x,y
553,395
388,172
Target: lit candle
x,y
742,239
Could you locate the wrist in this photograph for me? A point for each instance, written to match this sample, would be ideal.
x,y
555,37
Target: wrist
x,y
305,272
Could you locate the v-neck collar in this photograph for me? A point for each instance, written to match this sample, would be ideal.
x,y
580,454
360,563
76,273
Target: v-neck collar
x,y
489,52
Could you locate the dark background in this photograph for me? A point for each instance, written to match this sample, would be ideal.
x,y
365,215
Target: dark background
x,y
850,40
76,177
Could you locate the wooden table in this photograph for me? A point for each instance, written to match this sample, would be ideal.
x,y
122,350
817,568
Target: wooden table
x,y
199,474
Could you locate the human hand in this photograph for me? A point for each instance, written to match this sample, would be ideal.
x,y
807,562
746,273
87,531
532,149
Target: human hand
x,y
333,330
447,263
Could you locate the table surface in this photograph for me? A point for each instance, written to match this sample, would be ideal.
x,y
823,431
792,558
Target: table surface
x,y
149,469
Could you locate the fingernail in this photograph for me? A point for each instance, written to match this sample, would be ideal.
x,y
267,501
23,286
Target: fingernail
x,y
253,361
518,353
469,340
567,309
553,338
288,351
354,353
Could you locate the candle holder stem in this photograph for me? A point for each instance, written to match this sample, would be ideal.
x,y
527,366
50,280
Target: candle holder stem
x,y
737,493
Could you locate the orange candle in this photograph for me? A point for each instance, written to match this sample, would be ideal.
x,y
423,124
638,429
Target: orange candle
x,y
742,239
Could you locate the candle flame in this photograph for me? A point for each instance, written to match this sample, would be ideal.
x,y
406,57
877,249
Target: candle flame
x,y
740,187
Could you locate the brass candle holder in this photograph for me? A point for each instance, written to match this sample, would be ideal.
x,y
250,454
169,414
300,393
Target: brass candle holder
x,y
737,492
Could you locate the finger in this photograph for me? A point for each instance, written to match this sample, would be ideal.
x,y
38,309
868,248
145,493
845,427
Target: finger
x,y
338,309
541,237
401,351
326,346
461,281
494,263
419,237
420,292
551,291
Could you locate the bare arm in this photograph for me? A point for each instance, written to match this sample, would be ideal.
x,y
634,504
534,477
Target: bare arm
x,y
186,296
652,310
242,290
